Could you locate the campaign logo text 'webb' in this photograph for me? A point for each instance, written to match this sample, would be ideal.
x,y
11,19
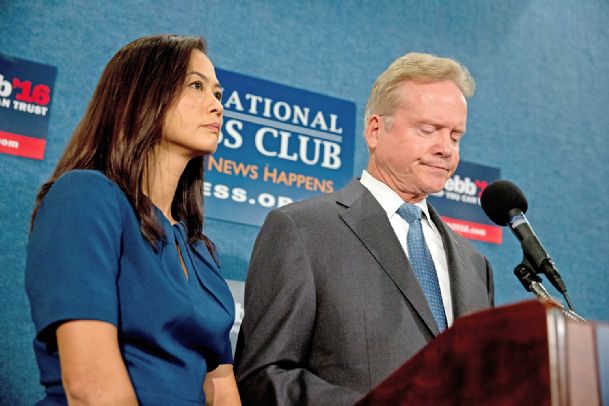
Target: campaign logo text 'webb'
x,y
459,202
25,99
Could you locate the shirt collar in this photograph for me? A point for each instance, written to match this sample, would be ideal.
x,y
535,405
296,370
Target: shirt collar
x,y
387,198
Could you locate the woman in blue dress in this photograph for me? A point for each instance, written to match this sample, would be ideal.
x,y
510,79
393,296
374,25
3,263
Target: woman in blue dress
x,y
126,292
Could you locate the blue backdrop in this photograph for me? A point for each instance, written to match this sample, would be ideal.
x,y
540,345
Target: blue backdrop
x,y
540,112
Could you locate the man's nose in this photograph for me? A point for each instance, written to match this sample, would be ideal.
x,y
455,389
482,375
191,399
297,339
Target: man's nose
x,y
444,143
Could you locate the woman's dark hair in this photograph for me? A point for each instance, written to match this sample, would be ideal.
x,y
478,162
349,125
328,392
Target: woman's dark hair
x,y
124,122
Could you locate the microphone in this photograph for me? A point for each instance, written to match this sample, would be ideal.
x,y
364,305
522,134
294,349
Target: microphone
x,y
505,204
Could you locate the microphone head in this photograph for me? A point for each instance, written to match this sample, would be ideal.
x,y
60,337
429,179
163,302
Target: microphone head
x,y
499,198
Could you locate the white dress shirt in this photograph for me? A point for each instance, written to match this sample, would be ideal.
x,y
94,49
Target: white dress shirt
x,y
390,202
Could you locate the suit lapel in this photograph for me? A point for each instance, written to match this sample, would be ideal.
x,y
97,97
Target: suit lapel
x,y
366,218
462,279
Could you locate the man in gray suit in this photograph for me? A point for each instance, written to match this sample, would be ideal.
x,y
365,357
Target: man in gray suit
x,y
340,292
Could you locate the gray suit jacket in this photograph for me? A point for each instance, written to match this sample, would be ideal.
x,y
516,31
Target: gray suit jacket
x,y
332,306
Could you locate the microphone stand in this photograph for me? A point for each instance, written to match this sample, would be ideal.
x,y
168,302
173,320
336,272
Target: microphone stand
x,y
532,283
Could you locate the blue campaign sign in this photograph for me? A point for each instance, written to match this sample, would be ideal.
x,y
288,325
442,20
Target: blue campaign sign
x,y
459,202
278,144
25,101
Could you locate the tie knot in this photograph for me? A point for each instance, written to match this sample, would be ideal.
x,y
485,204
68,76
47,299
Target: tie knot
x,y
410,212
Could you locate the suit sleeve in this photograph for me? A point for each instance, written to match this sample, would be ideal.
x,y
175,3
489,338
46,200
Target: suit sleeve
x,y
490,283
277,329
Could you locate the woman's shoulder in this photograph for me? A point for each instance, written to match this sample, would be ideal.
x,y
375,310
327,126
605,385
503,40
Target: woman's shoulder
x,y
87,184
84,178
85,189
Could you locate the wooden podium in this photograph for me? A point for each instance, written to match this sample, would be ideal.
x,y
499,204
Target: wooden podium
x,y
528,353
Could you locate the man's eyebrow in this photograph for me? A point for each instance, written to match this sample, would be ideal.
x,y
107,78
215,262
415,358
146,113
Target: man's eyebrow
x,y
204,77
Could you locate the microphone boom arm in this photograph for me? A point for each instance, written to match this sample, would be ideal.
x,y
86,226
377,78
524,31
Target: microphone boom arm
x,y
532,283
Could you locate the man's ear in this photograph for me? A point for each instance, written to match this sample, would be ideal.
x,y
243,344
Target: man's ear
x,y
374,128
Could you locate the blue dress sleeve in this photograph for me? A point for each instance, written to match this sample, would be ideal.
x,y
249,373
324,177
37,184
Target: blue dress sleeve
x,y
226,357
73,253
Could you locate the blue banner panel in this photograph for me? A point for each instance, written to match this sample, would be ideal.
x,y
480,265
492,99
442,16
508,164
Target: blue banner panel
x,y
459,202
278,144
25,106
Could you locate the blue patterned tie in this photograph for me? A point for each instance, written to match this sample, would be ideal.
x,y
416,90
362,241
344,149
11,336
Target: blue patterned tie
x,y
422,263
